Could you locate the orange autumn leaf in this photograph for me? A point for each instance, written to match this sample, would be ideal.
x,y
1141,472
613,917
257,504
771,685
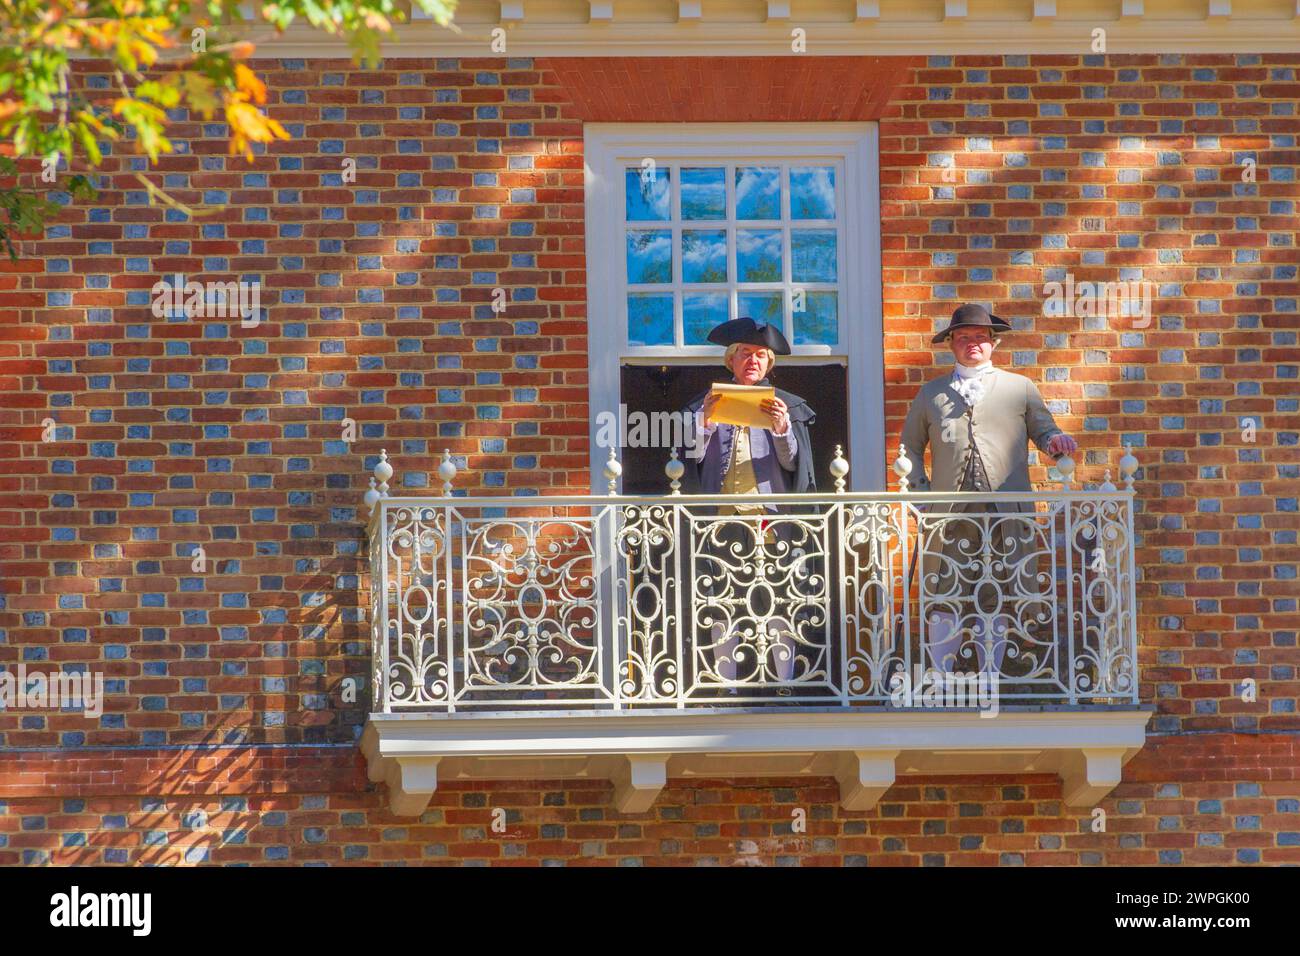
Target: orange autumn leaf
x,y
249,125
247,83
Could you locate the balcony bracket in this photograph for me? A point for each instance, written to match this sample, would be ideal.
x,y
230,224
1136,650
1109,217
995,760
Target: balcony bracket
x,y
638,780
1090,773
864,776
411,783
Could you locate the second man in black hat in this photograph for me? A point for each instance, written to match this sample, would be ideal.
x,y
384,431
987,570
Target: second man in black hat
x,y
980,575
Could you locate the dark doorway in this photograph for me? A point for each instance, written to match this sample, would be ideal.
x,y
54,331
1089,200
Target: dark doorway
x,y
668,388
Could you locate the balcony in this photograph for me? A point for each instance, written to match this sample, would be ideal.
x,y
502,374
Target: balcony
x,y
852,635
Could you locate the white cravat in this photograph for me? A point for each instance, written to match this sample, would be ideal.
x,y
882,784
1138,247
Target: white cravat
x,y
970,382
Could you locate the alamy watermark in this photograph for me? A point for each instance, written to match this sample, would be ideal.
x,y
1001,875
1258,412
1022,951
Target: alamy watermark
x,y
200,300
941,689
58,690
637,429
1128,299
133,911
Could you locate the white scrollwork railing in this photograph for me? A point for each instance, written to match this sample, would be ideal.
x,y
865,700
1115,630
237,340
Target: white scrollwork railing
x,y
612,602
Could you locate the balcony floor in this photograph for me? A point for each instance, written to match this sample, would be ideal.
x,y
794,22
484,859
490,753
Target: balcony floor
x,y
863,748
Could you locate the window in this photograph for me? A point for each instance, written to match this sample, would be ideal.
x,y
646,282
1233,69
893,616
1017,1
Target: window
x,y
689,225
708,242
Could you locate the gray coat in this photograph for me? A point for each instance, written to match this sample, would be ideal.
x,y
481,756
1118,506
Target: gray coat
x,y
1010,415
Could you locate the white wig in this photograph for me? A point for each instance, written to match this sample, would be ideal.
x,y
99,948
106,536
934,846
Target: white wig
x,y
735,346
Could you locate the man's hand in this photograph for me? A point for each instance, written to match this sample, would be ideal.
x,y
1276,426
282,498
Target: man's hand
x,y
1062,445
776,410
710,403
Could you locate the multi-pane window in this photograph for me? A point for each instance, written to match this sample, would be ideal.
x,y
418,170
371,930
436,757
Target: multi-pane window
x,y
706,242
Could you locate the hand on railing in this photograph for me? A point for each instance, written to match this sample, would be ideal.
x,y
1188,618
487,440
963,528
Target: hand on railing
x,y
1062,445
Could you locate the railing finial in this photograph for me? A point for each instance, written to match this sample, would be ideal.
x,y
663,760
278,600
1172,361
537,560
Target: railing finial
x,y
1065,466
902,467
1107,486
371,497
383,471
839,468
447,471
612,471
674,470
1128,466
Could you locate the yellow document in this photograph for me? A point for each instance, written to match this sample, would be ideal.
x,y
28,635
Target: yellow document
x,y
738,404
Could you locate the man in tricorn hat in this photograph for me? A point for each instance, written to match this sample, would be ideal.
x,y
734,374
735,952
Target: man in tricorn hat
x,y
978,421
745,461
772,460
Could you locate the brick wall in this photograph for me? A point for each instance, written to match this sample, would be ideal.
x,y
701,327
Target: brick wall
x,y
1157,145
175,434
1217,801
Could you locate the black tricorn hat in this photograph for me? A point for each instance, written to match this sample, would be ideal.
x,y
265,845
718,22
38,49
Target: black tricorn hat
x,y
745,331
971,314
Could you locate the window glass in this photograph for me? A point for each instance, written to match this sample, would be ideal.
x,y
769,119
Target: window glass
x,y
758,192
649,256
819,322
648,194
704,192
704,255
812,255
812,192
758,255
762,307
649,318
700,313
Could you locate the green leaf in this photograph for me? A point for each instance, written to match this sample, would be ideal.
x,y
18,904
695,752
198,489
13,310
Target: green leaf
x,y
164,94
89,144
47,111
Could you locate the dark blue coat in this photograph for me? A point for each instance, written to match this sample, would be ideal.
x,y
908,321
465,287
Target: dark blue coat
x,y
704,475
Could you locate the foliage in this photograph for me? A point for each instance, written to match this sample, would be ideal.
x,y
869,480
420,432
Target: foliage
x,y
160,56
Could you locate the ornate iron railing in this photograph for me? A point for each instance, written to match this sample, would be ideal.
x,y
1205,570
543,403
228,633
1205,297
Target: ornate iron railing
x,y
618,602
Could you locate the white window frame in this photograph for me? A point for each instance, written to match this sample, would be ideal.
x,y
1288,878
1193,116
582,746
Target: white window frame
x,y
610,147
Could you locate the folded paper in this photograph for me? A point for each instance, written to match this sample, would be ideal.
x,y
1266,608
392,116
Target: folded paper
x,y
738,404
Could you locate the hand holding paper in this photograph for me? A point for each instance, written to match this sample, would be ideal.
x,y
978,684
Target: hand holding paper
x,y
739,404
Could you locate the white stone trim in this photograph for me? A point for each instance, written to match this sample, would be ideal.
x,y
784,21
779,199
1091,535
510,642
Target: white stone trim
x,y
833,27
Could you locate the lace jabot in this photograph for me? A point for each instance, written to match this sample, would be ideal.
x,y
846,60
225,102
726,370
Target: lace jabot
x,y
971,383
